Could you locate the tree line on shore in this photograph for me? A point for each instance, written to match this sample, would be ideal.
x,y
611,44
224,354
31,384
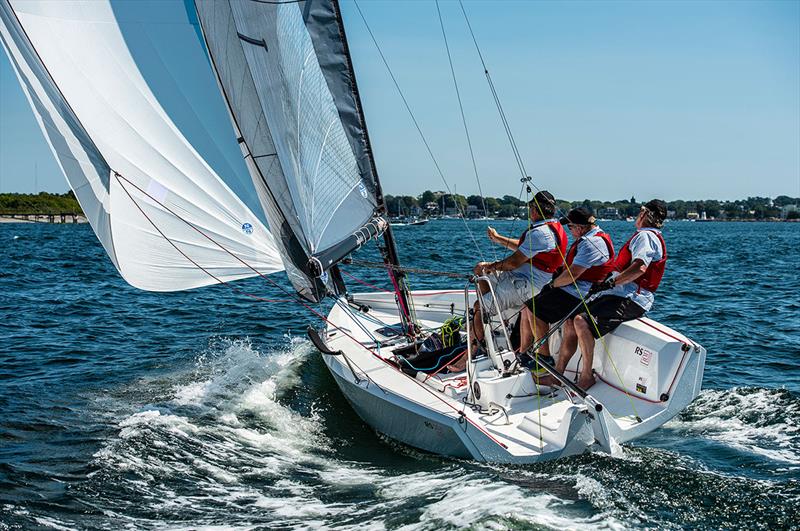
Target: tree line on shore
x,y
437,203
41,203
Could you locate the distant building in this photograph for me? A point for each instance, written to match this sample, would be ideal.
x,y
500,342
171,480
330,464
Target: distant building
x,y
788,208
692,215
608,213
670,214
431,207
703,215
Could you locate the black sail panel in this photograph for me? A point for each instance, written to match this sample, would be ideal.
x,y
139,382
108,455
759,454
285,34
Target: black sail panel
x,y
286,77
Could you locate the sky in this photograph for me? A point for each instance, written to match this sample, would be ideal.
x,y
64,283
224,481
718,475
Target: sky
x,y
677,100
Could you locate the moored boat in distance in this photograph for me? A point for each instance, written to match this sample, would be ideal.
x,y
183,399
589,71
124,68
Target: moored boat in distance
x,y
169,222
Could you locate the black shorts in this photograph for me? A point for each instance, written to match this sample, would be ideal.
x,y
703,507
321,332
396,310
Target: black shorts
x,y
553,305
609,312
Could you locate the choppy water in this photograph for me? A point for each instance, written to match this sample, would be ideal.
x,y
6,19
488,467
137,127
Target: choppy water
x,y
120,408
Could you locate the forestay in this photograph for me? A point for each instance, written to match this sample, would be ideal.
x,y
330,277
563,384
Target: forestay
x,y
286,75
163,215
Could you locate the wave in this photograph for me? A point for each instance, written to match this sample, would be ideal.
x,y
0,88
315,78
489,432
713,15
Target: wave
x,y
760,421
225,446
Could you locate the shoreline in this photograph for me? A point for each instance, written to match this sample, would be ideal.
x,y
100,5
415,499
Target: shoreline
x,y
45,218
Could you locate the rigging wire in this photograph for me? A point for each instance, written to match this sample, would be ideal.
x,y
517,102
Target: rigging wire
x,y
463,115
529,181
496,97
417,126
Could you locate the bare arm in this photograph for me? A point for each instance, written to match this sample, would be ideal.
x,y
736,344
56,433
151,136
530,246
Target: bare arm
x,y
631,273
508,243
509,263
565,278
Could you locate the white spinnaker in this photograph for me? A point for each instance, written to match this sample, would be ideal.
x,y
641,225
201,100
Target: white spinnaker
x,y
99,115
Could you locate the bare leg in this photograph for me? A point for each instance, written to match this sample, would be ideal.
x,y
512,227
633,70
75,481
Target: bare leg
x,y
569,342
476,327
525,329
540,328
586,341
531,329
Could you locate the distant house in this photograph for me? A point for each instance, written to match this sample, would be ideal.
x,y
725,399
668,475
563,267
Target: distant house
x,y
788,208
692,215
431,207
670,214
608,213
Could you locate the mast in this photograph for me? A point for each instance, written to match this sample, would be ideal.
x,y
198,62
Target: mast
x,y
389,251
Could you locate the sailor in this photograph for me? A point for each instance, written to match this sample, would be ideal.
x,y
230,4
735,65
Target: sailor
x,y
628,294
537,254
590,259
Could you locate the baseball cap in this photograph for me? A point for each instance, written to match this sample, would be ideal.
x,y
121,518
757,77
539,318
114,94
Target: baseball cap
x,y
579,216
543,197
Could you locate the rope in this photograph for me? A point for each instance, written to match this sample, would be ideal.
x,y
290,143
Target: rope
x,y
432,272
525,178
293,299
418,128
366,283
496,97
463,115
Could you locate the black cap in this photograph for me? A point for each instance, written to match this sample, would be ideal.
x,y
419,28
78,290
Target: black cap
x,y
543,197
579,216
657,208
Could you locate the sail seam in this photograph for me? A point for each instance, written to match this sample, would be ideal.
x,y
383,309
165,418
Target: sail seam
x,y
233,117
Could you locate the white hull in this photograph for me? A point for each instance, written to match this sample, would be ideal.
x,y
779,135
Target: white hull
x,y
507,425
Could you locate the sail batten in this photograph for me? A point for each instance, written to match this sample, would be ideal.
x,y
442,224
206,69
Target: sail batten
x,y
284,73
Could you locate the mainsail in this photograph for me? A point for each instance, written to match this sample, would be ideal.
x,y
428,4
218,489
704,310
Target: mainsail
x,y
165,218
284,70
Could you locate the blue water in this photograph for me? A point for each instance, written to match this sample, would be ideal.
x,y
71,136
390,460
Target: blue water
x,y
122,408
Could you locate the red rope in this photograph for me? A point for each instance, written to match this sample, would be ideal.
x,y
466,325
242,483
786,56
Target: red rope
x,y
684,341
452,361
312,310
366,283
622,390
207,272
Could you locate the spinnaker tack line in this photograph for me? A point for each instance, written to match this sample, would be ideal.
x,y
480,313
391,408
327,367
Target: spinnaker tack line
x,y
461,416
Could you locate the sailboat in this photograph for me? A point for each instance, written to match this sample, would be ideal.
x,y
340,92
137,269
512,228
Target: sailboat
x,y
169,222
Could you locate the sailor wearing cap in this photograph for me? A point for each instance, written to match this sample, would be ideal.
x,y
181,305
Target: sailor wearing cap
x,y
537,254
590,259
628,294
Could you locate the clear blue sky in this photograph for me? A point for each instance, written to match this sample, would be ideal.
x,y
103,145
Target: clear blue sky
x,y
606,99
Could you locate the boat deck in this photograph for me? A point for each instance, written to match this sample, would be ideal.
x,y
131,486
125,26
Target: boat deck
x,y
526,420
